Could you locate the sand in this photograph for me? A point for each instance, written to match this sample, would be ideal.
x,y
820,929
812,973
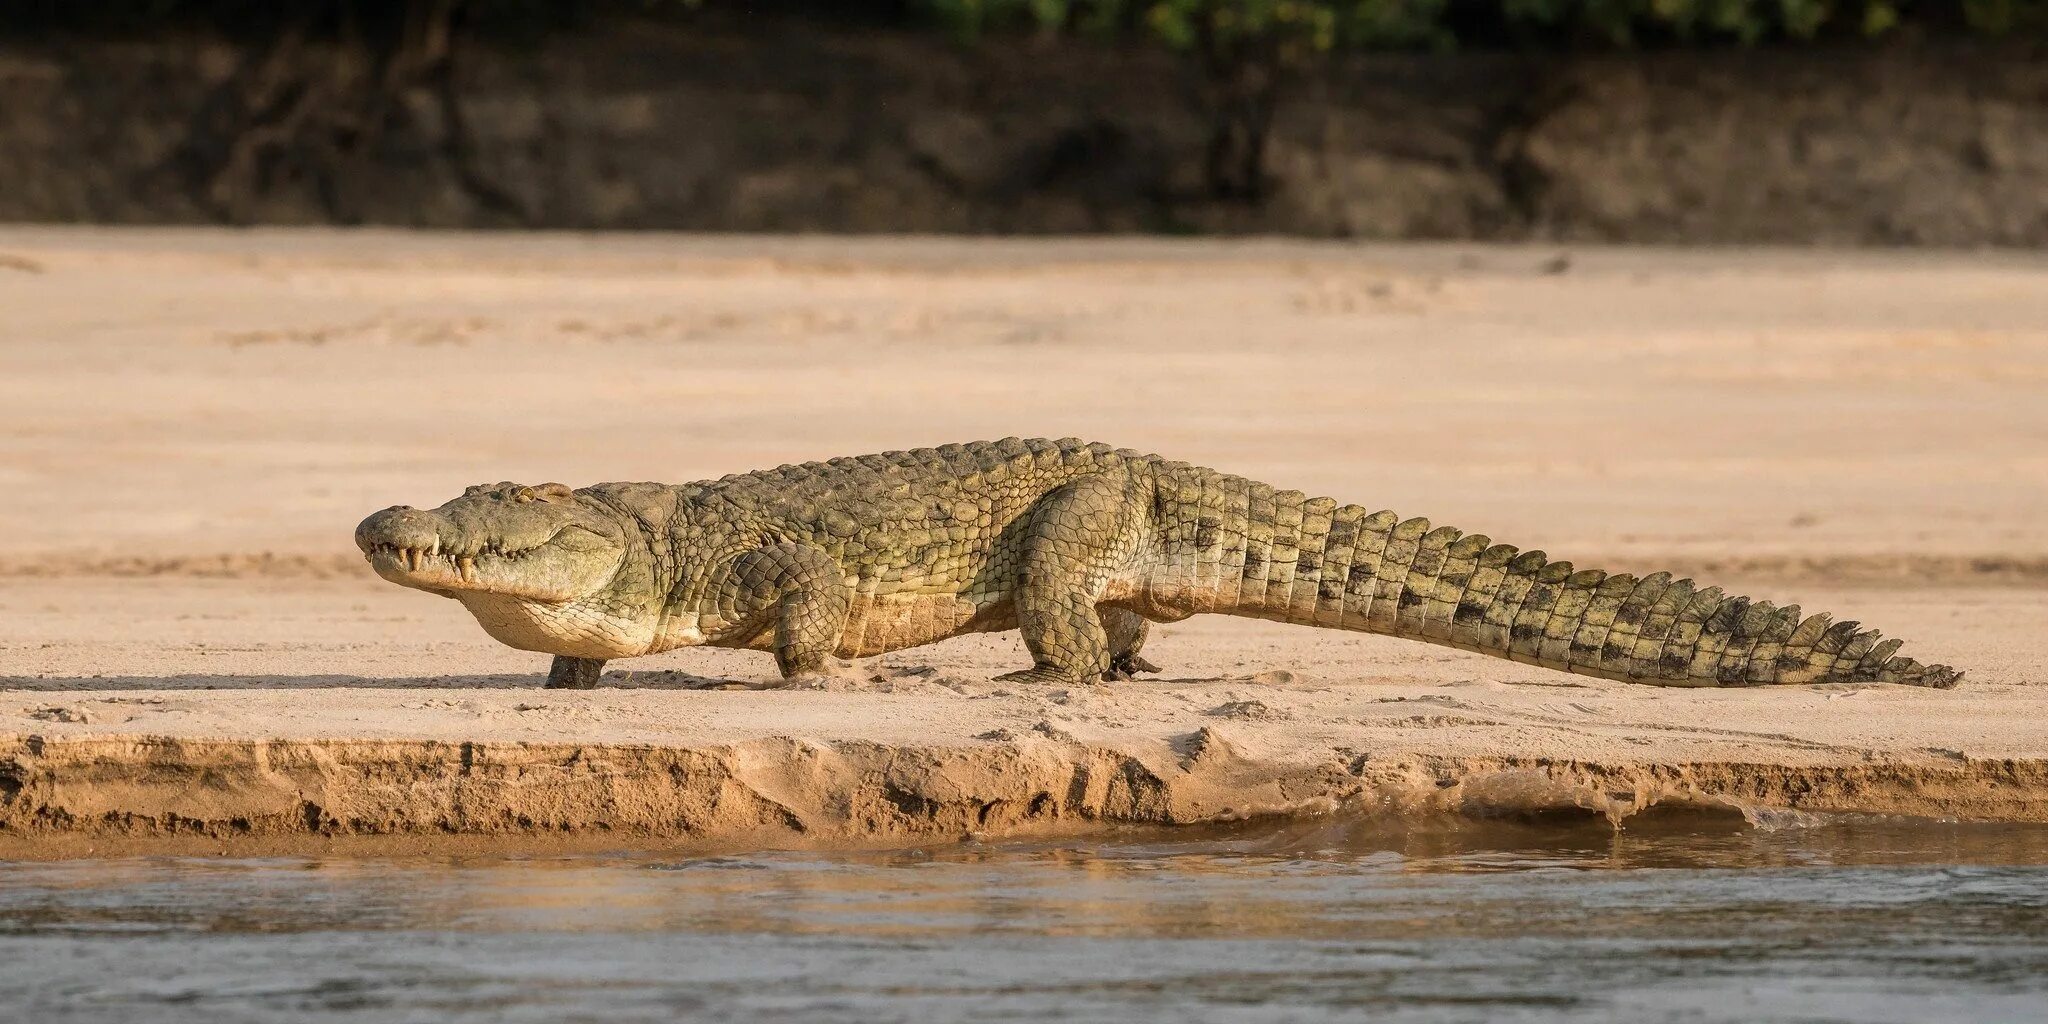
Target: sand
x,y
192,422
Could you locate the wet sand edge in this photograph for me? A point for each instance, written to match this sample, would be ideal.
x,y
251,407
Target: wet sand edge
x,y
63,797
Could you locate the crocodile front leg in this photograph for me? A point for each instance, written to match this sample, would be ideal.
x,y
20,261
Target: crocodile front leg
x,y
798,592
574,673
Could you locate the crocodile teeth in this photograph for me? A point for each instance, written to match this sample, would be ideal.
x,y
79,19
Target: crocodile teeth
x,y
468,567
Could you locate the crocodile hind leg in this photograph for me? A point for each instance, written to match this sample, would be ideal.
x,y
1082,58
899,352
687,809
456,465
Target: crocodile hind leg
x,y
1077,541
1125,630
574,673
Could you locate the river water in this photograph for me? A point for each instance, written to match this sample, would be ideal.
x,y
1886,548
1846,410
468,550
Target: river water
x,y
1684,920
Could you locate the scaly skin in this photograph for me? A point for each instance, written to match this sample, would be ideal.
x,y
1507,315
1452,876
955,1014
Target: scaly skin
x,y
1079,546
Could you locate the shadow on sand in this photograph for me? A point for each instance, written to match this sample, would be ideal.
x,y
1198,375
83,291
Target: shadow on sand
x,y
622,680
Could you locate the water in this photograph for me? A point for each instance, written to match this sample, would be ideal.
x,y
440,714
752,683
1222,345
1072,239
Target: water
x,y
1689,920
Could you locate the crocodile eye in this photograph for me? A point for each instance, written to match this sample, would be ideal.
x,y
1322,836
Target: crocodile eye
x,y
524,495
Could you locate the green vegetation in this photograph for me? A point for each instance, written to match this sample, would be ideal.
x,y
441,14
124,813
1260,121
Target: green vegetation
x,y
1246,50
1306,27
323,80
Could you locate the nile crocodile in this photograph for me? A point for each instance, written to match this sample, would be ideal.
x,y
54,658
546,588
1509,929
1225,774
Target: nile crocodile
x,y
1079,547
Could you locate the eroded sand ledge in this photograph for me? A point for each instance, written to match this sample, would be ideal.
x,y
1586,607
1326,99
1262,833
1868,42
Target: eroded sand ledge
x,y
991,763
793,792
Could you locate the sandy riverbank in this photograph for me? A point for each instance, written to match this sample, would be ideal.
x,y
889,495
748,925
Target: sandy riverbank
x,y
194,421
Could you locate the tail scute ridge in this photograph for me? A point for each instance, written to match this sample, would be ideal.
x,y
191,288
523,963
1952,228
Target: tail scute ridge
x,y
1313,562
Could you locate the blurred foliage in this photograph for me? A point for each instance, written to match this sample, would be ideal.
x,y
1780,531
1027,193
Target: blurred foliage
x,y
2007,17
1247,49
1300,26
1296,28
1630,22
1305,27
323,81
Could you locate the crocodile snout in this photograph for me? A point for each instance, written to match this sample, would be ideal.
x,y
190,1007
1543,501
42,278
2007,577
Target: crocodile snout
x,y
402,527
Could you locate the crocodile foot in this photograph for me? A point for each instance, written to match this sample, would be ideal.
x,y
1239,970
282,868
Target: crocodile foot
x,y
574,673
1125,667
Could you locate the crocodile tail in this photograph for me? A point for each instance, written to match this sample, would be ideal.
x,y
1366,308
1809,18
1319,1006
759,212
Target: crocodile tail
x,y
1277,555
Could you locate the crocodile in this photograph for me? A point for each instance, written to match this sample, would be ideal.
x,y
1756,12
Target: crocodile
x,y
1080,547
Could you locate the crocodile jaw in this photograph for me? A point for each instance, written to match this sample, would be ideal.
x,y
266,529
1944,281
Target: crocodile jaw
x,y
577,629
549,573
547,552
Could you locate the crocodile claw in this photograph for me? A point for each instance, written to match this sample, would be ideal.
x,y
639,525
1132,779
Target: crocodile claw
x,y
1125,667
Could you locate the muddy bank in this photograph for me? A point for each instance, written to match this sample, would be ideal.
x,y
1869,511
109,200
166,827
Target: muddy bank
x,y
785,792
910,754
793,128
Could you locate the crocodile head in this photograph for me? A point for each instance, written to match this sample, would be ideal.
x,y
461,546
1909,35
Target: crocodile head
x,y
546,545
